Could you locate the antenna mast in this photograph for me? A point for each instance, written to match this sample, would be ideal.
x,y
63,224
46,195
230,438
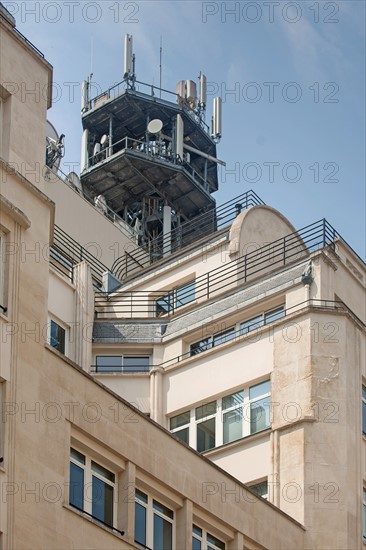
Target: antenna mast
x,y
161,62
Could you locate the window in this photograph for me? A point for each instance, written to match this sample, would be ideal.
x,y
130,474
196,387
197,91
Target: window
x,y
179,425
176,298
154,522
212,341
243,328
206,426
261,489
92,488
57,336
259,407
201,540
122,363
364,410
226,419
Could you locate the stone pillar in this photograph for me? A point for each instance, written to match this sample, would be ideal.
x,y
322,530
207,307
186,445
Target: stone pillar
x,y
126,502
84,315
184,526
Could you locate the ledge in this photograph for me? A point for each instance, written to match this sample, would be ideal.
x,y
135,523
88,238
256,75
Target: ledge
x,y
109,530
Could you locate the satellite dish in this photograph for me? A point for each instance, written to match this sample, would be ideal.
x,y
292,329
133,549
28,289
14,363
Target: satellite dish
x,y
55,148
155,126
101,204
74,179
103,139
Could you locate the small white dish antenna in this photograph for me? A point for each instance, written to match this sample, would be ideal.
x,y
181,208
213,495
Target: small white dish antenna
x,y
103,139
155,126
101,204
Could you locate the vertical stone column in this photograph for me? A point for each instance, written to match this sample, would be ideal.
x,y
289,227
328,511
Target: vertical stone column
x,y
126,502
156,395
184,526
84,315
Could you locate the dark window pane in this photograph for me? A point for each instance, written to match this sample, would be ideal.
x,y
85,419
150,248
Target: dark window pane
x,y
109,363
141,496
185,294
163,530
260,415
76,486
77,456
140,524
202,345
233,427
235,399
271,316
259,389
206,435
206,410
222,337
251,324
163,509
196,544
364,409
183,435
216,542
197,530
261,489
102,471
135,364
164,304
57,337
102,501
180,420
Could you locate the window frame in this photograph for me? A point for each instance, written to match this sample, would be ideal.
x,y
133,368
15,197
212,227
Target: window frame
x,y
62,326
364,513
172,300
203,538
150,512
237,330
88,474
243,408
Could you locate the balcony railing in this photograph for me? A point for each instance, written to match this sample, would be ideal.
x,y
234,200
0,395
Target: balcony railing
x,y
250,332
97,519
205,225
282,252
108,369
65,253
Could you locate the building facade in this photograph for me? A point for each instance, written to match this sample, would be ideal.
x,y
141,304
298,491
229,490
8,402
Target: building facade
x,y
174,374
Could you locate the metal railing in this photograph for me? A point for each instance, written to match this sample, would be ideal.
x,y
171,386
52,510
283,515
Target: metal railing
x,y
275,255
65,252
149,90
100,369
207,223
239,334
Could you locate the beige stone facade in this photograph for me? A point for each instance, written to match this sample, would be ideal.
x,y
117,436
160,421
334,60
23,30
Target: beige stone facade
x,y
251,356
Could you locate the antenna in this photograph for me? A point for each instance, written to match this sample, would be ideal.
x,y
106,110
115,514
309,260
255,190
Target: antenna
x,y
161,62
128,57
91,53
217,118
202,91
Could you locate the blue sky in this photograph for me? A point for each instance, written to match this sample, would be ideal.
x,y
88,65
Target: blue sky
x,y
294,122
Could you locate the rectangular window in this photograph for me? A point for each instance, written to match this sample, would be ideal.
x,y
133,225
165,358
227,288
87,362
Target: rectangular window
x,y
364,410
57,336
246,326
233,417
259,397
176,298
206,426
124,364
179,426
226,419
201,540
98,501
153,522
261,489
